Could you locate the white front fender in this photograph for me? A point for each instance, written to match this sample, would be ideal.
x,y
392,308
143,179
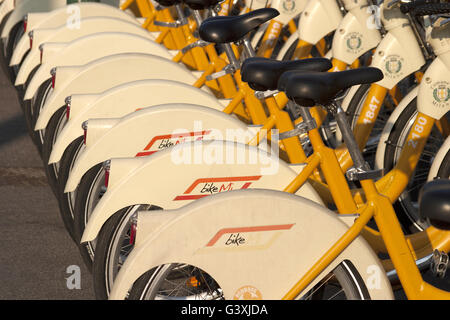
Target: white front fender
x,y
318,19
89,48
355,37
101,74
433,98
163,181
124,99
398,55
63,34
61,16
143,132
269,225
288,9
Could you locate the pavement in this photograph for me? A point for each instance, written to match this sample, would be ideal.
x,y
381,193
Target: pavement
x,y
38,259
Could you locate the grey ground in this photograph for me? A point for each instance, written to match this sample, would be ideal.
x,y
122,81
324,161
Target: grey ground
x,y
36,247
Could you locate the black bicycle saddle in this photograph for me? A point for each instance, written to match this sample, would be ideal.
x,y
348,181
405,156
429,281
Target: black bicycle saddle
x,y
263,74
201,4
233,28
309,88
168,3
434,203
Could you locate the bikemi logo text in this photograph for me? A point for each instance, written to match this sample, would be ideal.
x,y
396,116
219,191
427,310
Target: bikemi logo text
x,y
235,239
161,142
208,186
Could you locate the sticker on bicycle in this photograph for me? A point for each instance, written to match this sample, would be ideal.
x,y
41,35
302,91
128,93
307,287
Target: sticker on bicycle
x,y
162,142
441,94
374,106
416,131
288,6
207,186
248,293
247,238
274,33
354,41
393,65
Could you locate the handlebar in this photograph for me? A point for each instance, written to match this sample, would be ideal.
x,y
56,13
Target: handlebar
x,y
425,8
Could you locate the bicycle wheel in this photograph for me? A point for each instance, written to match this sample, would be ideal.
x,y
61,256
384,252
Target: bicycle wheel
x,y
31,115
185,282
14,37
406,206
67,200
54,127
88,194
112,248
444,168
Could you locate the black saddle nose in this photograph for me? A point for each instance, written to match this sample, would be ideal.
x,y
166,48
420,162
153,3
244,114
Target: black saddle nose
x,y
201,4
168,3
312,88
434,203
233,28
262,74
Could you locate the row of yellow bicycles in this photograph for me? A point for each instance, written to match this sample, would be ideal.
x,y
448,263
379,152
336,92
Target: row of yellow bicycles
x,y
206,150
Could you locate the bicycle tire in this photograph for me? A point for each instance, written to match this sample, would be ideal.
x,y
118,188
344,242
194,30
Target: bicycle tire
x,y
146,286
408,217
65,200
90,180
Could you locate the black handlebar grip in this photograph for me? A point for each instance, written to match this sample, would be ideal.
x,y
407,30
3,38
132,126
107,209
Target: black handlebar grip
x,y
409,7
427,9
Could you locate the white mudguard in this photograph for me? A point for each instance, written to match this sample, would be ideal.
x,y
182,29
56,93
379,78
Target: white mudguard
x,y
64,34
164,179
83,50
101,74
319,18
66,15
355,35
381,148
398,54
124,99
6,7
438,159
269,225
24,7
27,6
289,9
433,98
147,131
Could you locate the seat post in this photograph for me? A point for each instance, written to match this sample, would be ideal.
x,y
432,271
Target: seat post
x,y
349,138
248,47
180,12
231,56
198,17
